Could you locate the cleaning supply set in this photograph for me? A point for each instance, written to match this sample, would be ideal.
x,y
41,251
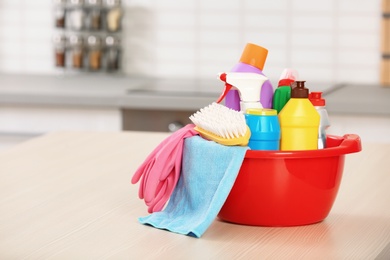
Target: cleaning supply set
x,y
262,159
299,120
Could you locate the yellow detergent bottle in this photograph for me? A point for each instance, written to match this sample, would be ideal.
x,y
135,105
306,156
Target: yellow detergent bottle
x,y
299,121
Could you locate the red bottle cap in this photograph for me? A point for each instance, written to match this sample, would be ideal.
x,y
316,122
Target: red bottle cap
x,y
316,99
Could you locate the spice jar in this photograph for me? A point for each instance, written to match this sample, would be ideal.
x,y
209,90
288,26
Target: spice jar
x,y
113,15
112,54
59,50
94,16
94,52
76,15
59,13
76,45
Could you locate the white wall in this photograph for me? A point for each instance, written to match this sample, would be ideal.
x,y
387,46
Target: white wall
x,y
332,41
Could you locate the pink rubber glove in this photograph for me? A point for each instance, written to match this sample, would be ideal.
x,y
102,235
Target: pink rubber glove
x,y
160,171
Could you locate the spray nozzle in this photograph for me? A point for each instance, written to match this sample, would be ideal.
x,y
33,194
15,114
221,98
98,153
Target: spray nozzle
x,y
287,77
289,74
248,86
222,77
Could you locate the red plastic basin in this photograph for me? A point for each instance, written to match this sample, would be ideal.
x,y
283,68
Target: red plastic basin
x,y
288,188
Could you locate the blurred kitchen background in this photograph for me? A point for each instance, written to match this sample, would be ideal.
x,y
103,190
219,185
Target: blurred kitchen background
x,y
171,52
331,41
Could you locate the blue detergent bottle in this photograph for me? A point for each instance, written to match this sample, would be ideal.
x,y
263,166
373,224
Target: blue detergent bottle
x,y
265,128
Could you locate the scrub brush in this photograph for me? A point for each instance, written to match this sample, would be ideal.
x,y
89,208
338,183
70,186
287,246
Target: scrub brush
x,y
222,125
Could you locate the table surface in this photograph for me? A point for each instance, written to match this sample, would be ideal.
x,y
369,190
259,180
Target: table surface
x,y
67,195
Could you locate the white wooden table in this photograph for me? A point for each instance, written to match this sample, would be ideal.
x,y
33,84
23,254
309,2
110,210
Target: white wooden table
x,y
68,195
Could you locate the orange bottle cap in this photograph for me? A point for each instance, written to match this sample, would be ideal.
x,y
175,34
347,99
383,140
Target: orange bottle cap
x,y
254,55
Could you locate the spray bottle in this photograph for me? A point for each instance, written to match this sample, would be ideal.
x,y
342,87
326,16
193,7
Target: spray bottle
x,y
283,92
319,103
248,86
299,121
252,61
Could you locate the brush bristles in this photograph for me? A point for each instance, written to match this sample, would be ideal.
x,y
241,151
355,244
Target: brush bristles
x,y
220,120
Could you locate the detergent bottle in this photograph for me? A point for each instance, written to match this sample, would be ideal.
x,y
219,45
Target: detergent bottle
x,y
265,129
319,103
299,121
283,92
248,86
252,60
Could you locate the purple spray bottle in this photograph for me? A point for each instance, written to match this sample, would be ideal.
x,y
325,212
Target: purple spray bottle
x,y
252,60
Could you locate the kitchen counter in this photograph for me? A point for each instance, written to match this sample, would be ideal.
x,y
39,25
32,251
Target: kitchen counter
x,y
121,92
67,195
106,91
359,99
36,104
117,102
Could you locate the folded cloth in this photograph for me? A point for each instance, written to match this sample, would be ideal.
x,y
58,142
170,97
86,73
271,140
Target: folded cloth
x,y
208,174
161,169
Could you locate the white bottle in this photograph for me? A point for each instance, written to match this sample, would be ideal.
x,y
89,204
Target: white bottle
x,y
319,103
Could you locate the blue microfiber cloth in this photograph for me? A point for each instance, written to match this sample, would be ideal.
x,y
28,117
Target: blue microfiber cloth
x,y
208,174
